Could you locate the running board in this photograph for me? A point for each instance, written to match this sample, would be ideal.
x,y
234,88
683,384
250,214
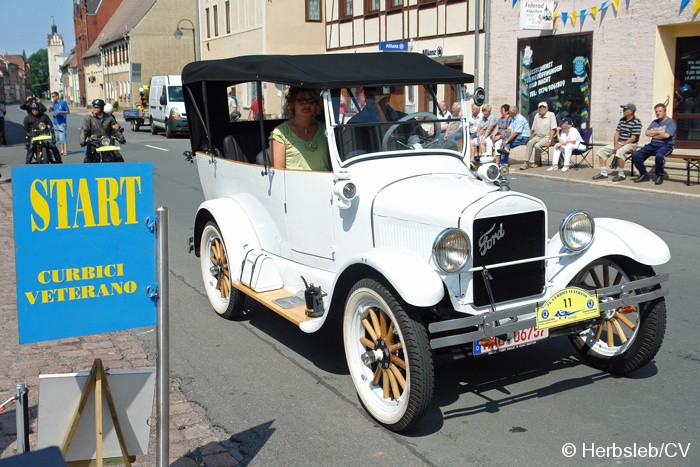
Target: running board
x,y
296,315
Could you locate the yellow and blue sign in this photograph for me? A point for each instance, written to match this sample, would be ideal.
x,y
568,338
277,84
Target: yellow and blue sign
x,y
84,251
567,306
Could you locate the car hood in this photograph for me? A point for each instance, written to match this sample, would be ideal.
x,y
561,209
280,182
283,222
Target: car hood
x,y
433,199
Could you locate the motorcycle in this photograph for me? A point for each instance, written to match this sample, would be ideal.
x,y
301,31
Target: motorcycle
x,y
41,140
105,148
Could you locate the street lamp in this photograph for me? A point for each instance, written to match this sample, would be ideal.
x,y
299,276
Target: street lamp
x,y
178,35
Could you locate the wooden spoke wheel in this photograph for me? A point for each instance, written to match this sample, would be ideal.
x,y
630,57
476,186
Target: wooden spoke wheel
x,y
628,337
216,274
388,355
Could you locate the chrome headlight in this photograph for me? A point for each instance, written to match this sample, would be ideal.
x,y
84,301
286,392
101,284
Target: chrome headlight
x,y
451,250
577,230
42,126
105,141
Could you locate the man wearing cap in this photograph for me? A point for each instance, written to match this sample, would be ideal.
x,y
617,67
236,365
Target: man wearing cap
x,y
624,142
662,132
544,128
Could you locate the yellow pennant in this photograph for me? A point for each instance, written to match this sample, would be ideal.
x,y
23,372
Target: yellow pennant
x,y
573,16
555,16
696,7
594,11
616,3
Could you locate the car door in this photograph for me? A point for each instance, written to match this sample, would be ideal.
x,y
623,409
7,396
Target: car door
x,y
309,208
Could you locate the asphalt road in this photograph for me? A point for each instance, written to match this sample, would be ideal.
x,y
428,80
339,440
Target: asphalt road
x,y
287,399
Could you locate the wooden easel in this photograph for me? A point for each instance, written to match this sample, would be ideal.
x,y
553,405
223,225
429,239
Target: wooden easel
x,y
97,380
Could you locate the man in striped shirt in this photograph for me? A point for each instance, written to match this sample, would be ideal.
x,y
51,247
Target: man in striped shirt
x,y
624,142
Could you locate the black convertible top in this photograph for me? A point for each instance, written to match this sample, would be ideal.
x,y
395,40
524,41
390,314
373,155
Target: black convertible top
x,y
327,71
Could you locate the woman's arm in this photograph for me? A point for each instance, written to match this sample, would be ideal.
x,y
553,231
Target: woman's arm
x,y
278,154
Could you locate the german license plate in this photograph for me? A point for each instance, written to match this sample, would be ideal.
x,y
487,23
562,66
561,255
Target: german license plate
x,y
567,306
519,339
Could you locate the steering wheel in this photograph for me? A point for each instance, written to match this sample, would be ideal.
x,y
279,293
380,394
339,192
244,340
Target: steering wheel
x,y
425,141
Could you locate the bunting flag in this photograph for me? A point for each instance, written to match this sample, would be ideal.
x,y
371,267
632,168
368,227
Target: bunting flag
x,y
555,15
564,16
514,2
616,3
684,3
594,11
573,16
696,7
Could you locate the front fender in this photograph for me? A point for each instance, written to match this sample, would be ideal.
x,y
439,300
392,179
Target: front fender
x,y
412,277
613,237
234,225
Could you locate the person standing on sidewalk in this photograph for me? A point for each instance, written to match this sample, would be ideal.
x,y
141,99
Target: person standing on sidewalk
x,y
544,128
3,110
624,142
662,132
60,110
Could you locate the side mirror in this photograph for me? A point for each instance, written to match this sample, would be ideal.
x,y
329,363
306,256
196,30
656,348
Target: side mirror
x,y
479,96
162,100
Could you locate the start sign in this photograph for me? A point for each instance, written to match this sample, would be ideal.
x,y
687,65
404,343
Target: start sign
x,y
84,252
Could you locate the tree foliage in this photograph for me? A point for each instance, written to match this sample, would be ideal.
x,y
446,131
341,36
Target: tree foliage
x,y
39,66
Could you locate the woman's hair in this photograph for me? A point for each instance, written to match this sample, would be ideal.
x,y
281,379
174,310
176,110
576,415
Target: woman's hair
x,y
486,107
291,96
506,107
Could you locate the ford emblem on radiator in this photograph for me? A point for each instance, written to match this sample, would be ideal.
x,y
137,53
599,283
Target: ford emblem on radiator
x,y
488,240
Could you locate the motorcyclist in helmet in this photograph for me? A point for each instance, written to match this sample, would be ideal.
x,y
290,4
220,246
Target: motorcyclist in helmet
x,y
99,123
31,99
32,121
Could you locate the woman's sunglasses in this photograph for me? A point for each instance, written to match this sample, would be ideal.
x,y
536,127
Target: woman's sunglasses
x,y
306,101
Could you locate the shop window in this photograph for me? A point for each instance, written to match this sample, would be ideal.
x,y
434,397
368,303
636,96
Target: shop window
x,y
686,100
557,70
394,4
313,10
228,17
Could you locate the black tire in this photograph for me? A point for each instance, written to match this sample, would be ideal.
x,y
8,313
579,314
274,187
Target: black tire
x,y
154,130
45,158
396,406
213,257
168,131
643,326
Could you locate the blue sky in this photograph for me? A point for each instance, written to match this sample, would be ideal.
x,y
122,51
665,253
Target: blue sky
x,y
27,23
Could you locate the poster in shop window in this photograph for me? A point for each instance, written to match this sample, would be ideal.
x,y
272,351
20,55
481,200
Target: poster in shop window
x,y
556,70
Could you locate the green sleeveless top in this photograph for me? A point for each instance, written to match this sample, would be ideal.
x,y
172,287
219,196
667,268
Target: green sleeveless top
x,y
304,155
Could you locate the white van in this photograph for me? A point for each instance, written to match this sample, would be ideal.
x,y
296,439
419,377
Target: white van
x,y
167,106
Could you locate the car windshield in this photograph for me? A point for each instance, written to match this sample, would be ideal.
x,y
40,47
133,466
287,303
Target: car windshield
x,y
395,118
175,94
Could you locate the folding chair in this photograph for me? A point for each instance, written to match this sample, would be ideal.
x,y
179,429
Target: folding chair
x,y
581,155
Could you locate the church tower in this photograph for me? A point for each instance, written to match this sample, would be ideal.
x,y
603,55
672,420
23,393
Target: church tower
x,y
56,52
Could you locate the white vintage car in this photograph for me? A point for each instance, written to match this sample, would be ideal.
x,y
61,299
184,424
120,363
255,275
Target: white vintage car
x,y
419,252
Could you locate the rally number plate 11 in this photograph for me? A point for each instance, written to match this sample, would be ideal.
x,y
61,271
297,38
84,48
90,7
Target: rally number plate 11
x,y
567,306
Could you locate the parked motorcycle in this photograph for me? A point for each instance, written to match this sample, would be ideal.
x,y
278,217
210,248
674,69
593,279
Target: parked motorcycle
x,y
41,139
105,148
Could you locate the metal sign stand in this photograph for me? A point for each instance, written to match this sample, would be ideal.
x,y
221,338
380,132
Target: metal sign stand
x,y
22,415
162,340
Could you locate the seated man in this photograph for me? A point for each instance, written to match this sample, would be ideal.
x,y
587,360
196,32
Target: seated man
x,y
544,128
624,142
662,132
517,134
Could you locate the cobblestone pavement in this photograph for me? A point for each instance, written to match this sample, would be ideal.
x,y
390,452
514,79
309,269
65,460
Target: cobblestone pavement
x,y
193,440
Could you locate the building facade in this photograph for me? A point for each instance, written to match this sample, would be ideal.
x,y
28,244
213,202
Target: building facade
x,y
16,78
594,56
89,18
230,28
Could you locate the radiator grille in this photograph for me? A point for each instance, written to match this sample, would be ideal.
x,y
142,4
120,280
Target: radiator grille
x,y
509,238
